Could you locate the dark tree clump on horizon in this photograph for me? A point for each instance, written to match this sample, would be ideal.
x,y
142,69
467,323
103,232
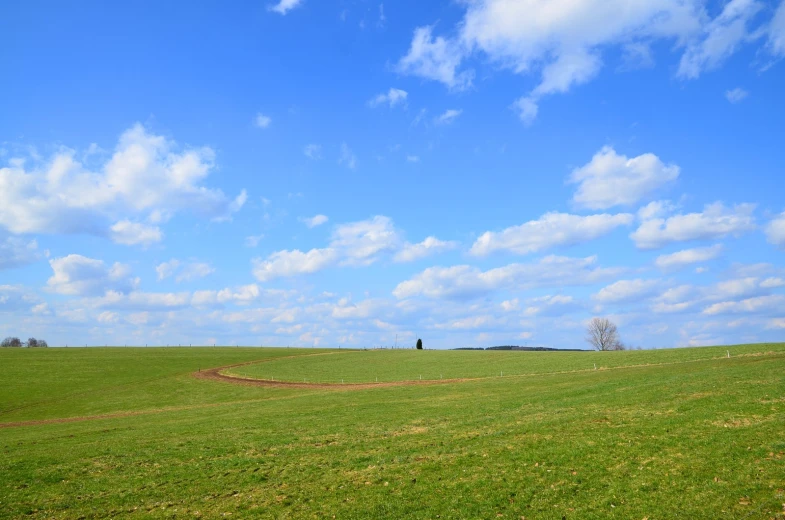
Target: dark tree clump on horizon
x,y
419,344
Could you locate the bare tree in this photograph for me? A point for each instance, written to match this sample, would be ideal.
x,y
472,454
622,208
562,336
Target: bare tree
x,y
602,334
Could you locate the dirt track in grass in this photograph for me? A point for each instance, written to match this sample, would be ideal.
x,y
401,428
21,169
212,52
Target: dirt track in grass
x,y
215,374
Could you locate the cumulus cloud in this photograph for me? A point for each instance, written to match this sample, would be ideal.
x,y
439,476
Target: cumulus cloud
x,y
723,296
564,40
183,272
82,276
146,177
551,305
361,242
687,257
436,59
242,295
392,97
144,301
775,231
774,302
716,221
550,230
447,117
773,283
626,291
316,220
610,179
464,281
292,263
284,6
355,243
134,233
430,246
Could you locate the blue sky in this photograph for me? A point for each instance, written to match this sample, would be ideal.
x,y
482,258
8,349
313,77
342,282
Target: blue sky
x,y
474,173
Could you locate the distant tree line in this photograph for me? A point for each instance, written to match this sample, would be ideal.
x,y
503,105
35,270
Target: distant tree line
x,y
527,349
16,342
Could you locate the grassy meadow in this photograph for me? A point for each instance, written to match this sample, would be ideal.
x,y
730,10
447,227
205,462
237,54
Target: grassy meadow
x,y
682,433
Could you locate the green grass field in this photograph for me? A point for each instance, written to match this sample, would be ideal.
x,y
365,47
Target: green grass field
x,y
685,433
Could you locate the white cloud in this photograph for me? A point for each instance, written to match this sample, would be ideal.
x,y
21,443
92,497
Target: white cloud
x,y
316,220
656,209
447,117
527,109
284,6
626,291
146,177
510,305
686,257
716,221
108,317
292,263
262,121
776,323
775,230
610,179
720,39
16,252
134,233
561,37
347,157
570,68
313,151
736,95
430,246
722,296
436,59
464,281
42,309
776,32
361,242
773,283
145,301
392,97
563,40
774,302
550,230
167,269
193,271
82,276
365,309
242,295
550,305
412,158
355,243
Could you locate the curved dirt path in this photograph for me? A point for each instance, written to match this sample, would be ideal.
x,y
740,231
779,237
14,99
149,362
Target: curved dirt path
x,y
215,374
